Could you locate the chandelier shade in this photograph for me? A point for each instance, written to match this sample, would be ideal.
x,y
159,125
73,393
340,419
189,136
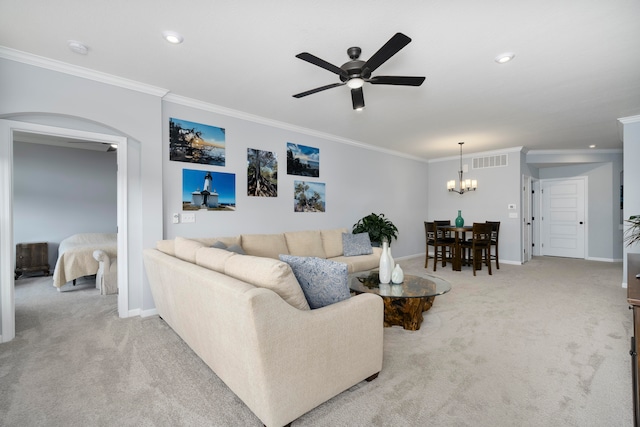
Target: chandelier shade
x,y
464,184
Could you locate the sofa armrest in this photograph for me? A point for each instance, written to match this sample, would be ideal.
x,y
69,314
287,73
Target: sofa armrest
x,y
307,357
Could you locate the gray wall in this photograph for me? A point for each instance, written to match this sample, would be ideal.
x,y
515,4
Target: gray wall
x,y
37,95
497,188
358,181
61,191
631,139
602,169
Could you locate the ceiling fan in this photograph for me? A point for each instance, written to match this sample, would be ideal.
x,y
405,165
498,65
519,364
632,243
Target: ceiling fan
x,y
356,72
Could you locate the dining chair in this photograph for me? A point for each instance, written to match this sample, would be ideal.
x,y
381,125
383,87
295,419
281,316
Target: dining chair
x,y
441,247
495,233
479,246
445,236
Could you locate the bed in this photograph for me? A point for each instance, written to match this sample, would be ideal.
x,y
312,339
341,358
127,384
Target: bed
x,y
75,255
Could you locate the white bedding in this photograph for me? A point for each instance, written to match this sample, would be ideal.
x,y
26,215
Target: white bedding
x,y
75,255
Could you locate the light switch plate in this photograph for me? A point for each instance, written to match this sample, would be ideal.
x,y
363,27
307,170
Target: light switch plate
x,y
511,206
188,217
513,214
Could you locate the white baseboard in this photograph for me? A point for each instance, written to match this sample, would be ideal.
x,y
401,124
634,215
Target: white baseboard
x,y
148,313
603,259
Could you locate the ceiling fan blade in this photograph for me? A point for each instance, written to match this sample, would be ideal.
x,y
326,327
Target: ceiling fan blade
x,y
390,48
318,89
396,80
306,56
357,96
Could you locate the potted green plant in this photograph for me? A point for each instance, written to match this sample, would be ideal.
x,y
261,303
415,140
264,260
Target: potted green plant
x,y
632,234
378,227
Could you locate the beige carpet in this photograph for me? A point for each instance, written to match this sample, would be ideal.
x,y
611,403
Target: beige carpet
x,y
544,344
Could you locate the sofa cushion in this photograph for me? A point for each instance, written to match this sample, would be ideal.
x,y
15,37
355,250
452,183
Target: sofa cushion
x,y
267,273
305,243
356,244
264,245
168,246
185,249
213,258
323,282
332,241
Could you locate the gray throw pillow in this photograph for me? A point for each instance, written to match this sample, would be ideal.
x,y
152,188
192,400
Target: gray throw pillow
x,y
356,244
233,248
237,249
323,282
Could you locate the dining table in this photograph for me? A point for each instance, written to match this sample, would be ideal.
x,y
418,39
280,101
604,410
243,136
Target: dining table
x,y
460,235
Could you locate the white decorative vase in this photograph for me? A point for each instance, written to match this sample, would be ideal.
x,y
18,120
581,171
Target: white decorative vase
x,y
393,263
385,264
397,275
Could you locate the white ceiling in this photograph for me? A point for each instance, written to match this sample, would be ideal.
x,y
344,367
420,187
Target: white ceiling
x,y
576,69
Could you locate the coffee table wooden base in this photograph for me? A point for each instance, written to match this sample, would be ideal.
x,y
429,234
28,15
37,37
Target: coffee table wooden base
x,y
406,312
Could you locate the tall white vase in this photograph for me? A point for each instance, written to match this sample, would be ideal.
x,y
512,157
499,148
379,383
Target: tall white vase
x,y
391,260
385,264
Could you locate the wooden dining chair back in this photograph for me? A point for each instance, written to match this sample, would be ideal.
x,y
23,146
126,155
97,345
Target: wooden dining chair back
x,y
441,246
430,236
495,233
479,246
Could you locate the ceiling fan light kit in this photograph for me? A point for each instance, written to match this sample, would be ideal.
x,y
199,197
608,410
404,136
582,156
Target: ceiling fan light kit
x,y
356,72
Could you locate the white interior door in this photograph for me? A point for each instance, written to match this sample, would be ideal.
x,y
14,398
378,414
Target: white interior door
x,y
563,217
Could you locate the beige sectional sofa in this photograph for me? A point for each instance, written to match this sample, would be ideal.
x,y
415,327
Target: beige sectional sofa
x,y
247,318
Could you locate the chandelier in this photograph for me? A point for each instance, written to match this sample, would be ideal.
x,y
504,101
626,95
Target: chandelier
x,y
465,184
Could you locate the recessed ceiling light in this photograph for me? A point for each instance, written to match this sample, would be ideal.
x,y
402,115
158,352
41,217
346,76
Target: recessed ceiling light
x,y
77,47
172,37
592,146
504,57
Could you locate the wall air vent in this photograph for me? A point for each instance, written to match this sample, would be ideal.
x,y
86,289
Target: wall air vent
x,y
497,161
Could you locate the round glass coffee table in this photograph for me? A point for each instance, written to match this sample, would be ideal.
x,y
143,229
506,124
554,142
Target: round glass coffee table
x,y
404,303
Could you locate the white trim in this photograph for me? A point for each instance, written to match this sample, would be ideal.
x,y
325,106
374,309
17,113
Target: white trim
x,y
205,106
629,120
580,151
603,259
74,70
7,306
7,127
148,313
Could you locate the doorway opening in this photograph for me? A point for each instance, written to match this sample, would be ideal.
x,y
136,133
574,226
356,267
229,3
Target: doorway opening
x,y
8,130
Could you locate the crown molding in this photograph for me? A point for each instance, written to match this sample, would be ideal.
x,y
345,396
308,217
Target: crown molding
x,y
629,120
591,151
77,71
205,106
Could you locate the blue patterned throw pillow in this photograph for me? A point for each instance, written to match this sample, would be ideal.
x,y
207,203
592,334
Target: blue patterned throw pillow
x,y
356,244
323,282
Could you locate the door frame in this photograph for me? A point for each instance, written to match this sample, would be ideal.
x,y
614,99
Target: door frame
x,y
543,230
526,219
7,292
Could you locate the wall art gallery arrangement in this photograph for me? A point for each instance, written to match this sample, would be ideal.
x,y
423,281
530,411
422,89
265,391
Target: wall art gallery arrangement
x,y
210,190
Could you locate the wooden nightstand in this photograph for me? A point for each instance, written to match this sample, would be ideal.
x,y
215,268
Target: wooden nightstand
x,y
32,257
